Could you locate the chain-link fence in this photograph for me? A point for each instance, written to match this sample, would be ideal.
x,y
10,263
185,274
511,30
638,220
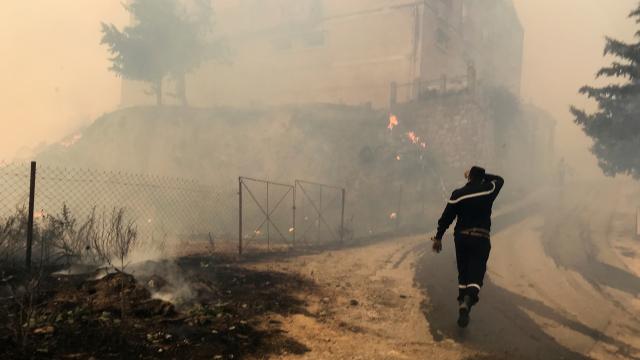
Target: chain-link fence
x,y
172,216
383,207
14,199
165,211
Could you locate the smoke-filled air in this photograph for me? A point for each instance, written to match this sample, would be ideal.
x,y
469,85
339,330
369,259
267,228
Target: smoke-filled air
x,y
320,179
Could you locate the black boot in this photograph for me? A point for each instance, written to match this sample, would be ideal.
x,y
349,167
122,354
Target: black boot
x,y
463,312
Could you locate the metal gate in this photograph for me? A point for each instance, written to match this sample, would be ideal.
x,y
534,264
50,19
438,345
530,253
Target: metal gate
x,y
266,214
319,212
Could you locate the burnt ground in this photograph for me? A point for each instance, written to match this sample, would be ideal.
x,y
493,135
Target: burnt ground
x,y
225,316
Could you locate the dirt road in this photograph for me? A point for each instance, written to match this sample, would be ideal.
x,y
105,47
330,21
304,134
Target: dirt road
x,y
368,308
560,284
563,283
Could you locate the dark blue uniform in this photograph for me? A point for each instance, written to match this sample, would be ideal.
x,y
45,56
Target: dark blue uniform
x,y
471,205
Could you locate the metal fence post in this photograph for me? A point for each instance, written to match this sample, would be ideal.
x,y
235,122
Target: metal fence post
x,y
344,191
638,223
32,195
393,95
293,232
268,221
240,215
416,89
399,211
471,78
443,84
319,215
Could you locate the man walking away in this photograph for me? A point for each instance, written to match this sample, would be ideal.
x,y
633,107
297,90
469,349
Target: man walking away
x,y
472,205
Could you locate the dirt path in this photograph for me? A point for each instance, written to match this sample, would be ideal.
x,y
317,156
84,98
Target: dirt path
x,y
563,283
598,251
369,309
556,286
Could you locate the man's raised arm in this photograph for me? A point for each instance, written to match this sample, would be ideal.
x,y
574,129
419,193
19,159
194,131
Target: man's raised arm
x,y
497,180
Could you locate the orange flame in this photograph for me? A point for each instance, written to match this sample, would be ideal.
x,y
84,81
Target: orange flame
x,y
415,139
39,214
412,136
393,122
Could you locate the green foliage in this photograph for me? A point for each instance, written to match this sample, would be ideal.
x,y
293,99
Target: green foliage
x,y
166,38
615,126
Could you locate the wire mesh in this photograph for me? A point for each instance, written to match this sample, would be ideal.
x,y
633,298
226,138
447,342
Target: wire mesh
x,y
392,205
167,211
14,198
164,210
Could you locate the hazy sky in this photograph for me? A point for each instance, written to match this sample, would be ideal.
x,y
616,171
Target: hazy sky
x,y
53,75
564,40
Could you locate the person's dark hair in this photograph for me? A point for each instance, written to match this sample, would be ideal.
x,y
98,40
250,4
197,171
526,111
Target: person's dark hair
x,y
476,174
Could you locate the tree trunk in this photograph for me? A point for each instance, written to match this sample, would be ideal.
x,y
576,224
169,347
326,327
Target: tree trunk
x,y
181,89
158,88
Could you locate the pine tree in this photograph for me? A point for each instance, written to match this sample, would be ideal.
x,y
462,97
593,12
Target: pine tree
x,y
615,126
165,39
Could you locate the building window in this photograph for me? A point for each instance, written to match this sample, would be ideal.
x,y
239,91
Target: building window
x,y
300,26
314,38
282,43
442,39
316,11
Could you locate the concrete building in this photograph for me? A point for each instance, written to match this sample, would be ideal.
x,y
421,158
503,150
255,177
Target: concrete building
x,y
493,40
350,51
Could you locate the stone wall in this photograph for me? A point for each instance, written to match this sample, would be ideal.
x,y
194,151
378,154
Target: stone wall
x,y
455,128
490,128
